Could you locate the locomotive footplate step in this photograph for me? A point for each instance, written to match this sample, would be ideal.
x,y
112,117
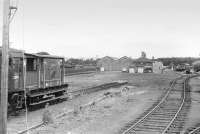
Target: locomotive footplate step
x,y
44,93
44,101
42,90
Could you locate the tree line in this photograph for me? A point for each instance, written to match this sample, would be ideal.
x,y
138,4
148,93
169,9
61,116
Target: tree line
x,y
167,61
81,61
177,60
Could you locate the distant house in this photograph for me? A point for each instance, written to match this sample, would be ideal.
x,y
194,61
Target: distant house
x,y
196,66
127,64
132,69
142,64
113,64
145,65
106,63
158,67
124,63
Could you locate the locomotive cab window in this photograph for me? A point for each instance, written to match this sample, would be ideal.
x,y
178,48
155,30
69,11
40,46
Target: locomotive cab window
x,y
31,64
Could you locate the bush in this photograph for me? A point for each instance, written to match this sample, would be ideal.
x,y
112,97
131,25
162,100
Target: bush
x,y
196,67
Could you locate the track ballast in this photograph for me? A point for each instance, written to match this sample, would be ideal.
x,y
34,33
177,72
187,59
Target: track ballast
x,y
167,115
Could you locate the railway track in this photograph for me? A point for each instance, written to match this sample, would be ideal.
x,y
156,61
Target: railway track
x,y
73,94
167,115
97,88
194,130
81,92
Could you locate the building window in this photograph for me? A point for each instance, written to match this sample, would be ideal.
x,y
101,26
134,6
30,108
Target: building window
x,y
31,64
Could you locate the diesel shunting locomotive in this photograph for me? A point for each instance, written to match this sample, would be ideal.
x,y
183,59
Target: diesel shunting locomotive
x,y
35,79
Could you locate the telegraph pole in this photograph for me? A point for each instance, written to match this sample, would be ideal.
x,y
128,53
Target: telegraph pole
x,y
4,67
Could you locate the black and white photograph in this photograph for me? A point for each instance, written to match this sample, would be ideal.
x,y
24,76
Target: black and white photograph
x,y
99,67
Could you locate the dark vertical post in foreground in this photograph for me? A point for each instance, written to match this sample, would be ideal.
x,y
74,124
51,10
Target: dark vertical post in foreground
x,y
4,68
62,71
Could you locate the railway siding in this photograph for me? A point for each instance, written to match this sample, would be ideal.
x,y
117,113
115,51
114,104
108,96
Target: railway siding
x,y
168,113
135,102
193,121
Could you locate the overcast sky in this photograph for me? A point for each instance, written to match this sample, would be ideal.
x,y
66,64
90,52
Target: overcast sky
x,y
90,28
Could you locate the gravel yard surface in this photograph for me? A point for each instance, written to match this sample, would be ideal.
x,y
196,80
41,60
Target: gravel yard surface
x,y
193,118
104,117
88,80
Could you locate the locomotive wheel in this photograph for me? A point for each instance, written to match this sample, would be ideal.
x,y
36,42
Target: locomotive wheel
x,y
16,101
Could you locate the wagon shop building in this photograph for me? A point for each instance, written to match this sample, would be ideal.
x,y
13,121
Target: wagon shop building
x,y
142,65
113,64
106,63
127,64
145,65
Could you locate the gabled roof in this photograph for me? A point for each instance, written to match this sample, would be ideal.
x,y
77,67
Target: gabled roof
x,y
20,53
196,62
142,59
44,56
108,57
13,52
114,58
125,58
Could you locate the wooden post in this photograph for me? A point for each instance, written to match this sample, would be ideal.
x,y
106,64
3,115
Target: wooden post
x,y
44,73
4,68
24,71
38,71
62,71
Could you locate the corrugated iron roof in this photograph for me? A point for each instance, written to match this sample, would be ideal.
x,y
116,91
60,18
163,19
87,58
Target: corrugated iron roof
x,y
19,53
196,62
13,52
44,56
142,59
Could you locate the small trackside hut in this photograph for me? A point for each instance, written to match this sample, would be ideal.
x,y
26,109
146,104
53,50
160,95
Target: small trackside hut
x,y
37,78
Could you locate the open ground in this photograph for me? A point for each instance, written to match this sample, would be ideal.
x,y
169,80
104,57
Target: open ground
x,y
193,119
106,116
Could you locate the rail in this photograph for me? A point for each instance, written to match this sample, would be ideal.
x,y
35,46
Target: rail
x,y
183,101
165,112
195,131
152,109
82,91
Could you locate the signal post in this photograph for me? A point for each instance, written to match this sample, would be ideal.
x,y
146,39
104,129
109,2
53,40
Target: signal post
x,y
4,68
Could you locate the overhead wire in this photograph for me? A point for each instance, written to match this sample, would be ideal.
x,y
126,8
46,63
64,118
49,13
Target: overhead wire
x,y
12,15
13,9
24,70
14,6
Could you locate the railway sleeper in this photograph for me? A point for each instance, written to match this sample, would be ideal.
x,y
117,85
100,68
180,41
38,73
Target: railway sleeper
x,y
163,113
155,121
162,117
156,125
170,110
149,128
170,106
166,114
144,132
197,131
174,130
159,119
